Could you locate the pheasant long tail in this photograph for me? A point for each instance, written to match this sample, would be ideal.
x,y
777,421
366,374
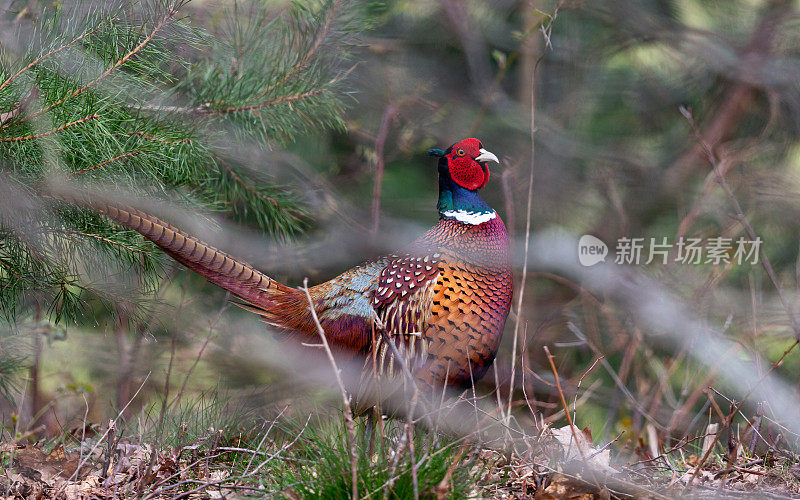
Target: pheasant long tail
x,y
230,273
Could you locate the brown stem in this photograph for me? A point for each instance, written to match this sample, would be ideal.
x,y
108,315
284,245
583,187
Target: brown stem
x,y
348,413
313,50
738,99
547,30
36,397
106,162
125,367
380,141
50,132
45,56
569,417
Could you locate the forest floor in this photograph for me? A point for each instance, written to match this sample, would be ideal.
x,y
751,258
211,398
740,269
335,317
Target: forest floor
x,y
313,457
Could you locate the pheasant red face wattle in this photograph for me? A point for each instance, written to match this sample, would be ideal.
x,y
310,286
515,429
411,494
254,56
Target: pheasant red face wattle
x,y
466,161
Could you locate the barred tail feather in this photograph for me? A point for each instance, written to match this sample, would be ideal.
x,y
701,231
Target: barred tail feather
x,y
230,273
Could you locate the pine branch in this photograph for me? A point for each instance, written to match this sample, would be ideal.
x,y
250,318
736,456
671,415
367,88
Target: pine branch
x,y
106,162
97,237
45,56
170,13
310,54
266,104
154,138
206,108
269,79
245,186
50,132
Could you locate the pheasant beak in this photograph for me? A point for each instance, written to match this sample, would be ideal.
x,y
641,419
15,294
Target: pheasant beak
x,y
486,156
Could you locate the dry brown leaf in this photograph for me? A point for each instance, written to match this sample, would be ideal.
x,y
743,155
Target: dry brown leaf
x,y
703,476
581,449
32,462
566,488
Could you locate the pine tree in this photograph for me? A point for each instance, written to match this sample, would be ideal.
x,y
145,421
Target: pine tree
x,y
138,99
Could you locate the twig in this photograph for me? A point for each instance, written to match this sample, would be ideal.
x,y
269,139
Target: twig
x,y
679,446
348,414
528,218
106,162
114,422
264,438
207,109
743,466
756,433
401,448
170,12
725,424
736,409
580,380
247,187
151,137
601,357
225,305
45,56
569,418
50,132
409,378
241,450
413,459
250,107
765,262
604,448
246,475
314,48
161,418
80,234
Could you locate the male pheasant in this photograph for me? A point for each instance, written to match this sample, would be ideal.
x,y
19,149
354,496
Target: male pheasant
x,y
443,302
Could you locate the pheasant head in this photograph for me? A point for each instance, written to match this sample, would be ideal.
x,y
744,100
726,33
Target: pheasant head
x,y
463,171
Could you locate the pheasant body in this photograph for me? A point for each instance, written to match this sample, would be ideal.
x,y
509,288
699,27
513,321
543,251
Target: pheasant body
x,y
443,302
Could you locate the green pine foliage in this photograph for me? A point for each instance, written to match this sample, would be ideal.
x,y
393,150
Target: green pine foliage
x,y
139,100
12,360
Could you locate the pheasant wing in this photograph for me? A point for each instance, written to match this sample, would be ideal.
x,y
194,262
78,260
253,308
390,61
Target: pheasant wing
x,y
403,305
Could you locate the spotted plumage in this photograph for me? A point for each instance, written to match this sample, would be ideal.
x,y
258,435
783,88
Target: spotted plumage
x,y
470,301
402,301
443,302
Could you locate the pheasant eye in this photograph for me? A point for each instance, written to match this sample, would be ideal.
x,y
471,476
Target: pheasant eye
x,y
460,152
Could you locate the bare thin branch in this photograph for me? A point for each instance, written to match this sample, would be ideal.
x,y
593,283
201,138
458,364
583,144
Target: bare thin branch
x,y
348,413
